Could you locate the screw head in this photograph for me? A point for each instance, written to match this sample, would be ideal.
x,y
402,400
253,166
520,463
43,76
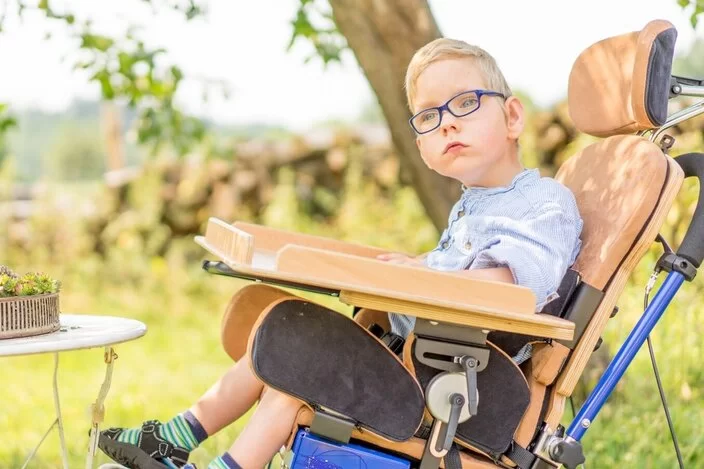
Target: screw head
x,y
586,423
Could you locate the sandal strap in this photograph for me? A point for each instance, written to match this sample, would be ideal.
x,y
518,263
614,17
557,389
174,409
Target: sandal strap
x,y
113,433
153,444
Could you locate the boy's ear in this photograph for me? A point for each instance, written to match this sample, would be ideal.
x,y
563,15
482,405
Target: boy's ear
x,y
514,117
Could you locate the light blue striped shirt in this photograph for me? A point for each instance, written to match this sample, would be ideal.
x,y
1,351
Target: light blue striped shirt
x,y
531,226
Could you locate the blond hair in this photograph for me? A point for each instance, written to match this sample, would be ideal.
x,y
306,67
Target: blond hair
x,y
444,48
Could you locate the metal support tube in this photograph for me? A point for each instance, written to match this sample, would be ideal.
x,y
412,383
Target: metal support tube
x,y
625,356
676,118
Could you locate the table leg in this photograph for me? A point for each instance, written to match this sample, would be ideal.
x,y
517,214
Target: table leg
x,y
98,409
36,448
57,406
57,422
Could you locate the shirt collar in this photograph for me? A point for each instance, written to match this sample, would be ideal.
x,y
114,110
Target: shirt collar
x,y
525,175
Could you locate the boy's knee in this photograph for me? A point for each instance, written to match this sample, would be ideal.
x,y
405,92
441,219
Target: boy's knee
x,y
273,398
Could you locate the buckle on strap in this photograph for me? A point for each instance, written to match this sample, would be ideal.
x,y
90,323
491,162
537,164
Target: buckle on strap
x,y
165,449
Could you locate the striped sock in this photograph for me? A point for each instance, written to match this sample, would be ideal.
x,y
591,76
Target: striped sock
x,y
224,462
183,431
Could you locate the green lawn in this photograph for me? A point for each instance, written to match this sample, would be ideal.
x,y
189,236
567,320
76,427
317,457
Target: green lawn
x,y
163,372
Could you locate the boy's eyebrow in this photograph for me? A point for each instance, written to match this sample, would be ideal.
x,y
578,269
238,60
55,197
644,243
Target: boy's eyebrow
x,y
424,105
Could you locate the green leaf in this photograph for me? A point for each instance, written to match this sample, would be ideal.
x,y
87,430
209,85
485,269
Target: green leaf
x,y
683,3
176,73
7,123
125,62
327,41
96,41
193,11
103,77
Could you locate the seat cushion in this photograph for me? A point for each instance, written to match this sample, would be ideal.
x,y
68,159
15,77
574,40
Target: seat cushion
x,y
327,360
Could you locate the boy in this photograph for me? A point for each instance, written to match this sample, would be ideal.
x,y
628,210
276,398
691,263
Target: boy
x,y
510,225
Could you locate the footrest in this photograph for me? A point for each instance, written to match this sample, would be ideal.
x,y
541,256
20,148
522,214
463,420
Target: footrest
x,y
330,362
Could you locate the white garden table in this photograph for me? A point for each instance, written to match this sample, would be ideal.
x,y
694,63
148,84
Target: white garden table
x,y
78,331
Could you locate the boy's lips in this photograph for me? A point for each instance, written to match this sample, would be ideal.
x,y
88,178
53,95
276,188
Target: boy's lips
x,y
453,145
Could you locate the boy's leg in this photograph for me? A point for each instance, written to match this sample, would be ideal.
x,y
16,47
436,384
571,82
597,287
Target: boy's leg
x,y
227,400
265,433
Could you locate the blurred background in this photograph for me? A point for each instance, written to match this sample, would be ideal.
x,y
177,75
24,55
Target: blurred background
x,y
125,125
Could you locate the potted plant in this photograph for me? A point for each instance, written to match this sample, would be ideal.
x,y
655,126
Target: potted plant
x,y
29,304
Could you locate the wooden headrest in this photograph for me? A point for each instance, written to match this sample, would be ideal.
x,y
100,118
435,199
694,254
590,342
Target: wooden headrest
x,y
621,85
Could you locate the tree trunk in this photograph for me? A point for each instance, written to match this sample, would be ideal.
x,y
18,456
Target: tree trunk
x,y
112,130
384,35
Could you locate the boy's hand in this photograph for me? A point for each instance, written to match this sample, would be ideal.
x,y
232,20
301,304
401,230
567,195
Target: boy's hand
x,y
398,258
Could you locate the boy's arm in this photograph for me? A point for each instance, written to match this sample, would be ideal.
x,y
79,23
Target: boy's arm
x,y
497,274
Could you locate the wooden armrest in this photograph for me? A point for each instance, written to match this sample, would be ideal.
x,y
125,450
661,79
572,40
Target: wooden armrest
x,y
425,293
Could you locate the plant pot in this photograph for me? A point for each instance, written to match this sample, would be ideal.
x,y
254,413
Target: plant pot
x,y
24,316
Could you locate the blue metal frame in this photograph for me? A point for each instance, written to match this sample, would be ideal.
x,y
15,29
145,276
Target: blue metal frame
x,y
625,356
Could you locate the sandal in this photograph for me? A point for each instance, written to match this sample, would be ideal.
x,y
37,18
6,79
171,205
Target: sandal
x,y
150,452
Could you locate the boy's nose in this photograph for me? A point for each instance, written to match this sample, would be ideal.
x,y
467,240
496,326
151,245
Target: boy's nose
x,y
448,121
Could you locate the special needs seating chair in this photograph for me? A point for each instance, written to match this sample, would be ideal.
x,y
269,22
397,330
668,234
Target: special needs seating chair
x,y
454,385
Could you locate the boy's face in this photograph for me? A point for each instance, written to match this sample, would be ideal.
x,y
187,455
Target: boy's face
x,y
478,149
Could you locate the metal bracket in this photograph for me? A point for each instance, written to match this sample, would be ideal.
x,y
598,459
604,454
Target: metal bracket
x,y
666,142
332,427
447,356
449,332
671,261
555,449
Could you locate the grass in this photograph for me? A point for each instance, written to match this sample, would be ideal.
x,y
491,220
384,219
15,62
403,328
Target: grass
x,y
163,372
155,376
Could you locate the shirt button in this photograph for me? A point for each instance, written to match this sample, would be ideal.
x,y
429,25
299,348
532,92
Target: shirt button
x,y
468,245
460,213
445,244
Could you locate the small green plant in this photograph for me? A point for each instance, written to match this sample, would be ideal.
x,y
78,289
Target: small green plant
x,y
31,283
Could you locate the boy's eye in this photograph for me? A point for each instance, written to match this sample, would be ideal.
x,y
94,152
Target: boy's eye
x,y
469,102
429,116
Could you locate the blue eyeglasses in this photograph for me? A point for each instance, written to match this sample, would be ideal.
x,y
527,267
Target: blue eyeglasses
x,y
461,105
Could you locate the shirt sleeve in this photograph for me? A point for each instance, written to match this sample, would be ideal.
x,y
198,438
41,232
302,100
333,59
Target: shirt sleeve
x,y
538,251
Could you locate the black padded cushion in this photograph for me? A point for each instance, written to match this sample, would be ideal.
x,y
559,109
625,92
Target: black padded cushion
x,y
325,359
503,399
511,342
657,90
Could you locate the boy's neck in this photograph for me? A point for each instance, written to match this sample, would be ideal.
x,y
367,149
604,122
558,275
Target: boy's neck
x,y
501,175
